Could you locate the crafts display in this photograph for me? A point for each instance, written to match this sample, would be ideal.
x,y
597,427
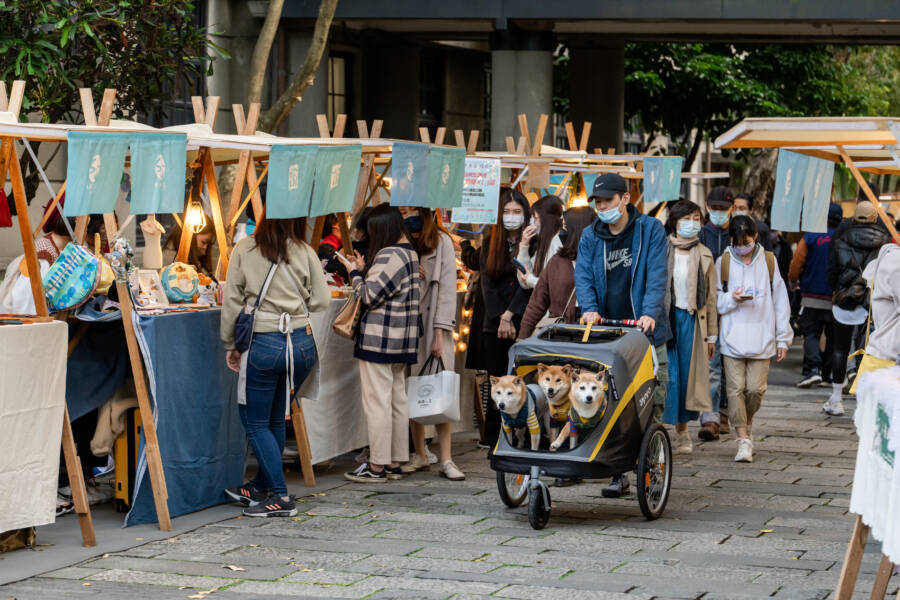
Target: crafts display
x,y
120,259
72,279
150,290
180,282
207,293
107,276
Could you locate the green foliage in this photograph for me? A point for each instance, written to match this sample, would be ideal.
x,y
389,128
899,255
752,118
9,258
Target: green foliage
x,y
144,49
873,76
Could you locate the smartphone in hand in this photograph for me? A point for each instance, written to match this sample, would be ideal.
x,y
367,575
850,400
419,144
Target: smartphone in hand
x,y
519,266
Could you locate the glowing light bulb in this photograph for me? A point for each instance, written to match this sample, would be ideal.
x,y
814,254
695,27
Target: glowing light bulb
x,y
455,335
461,346
465,330
194,219
467,312
388,182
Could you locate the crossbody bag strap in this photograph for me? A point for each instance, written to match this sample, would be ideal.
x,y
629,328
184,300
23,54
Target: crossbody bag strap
x,y
566,309
265,288
299,292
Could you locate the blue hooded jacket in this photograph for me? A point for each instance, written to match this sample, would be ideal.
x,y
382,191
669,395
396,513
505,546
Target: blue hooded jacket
x,y
649,272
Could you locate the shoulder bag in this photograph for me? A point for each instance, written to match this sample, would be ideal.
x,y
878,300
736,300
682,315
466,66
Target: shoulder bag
x,y
243,326
548,320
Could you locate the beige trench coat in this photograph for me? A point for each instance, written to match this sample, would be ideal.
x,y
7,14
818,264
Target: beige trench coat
x,y
438,302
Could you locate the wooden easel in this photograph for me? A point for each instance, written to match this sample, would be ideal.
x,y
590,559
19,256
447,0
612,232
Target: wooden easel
x,y
246,170
9,161
151,446
206,173
368,181
852,560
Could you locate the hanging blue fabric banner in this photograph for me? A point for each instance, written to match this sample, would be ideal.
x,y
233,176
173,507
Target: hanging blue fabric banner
x,y
96,162
289,183
337,173
662,178
817,195
787,201
445,169
409,183
158,172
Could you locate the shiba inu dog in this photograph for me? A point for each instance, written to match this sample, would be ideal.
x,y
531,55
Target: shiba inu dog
x,y
518,408
555,382
588,397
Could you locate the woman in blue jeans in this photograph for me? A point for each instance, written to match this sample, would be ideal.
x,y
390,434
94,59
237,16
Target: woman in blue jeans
x,y
278,266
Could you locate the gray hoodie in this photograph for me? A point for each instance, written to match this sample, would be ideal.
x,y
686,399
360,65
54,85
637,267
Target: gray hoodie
x,y
883,275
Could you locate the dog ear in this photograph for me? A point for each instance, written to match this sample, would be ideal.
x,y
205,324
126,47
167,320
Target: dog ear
x,y
517,381
494,380
575,376
541,367
567,369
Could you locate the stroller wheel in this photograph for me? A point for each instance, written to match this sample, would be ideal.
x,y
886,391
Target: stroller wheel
x,y
513,487
654,471
539,506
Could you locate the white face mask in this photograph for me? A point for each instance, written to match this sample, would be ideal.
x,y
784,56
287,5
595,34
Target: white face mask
x,y
513,221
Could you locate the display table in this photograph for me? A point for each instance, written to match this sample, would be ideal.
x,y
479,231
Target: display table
x,y
32,401
876,480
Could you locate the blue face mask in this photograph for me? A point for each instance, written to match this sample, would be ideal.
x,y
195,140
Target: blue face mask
x,y
688,228
718,217
413,223
610,216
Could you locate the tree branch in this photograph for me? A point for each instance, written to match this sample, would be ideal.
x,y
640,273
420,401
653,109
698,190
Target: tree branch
x,y
306,75
261,50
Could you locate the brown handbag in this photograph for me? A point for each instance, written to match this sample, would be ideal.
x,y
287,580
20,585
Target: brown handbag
x,y
346,324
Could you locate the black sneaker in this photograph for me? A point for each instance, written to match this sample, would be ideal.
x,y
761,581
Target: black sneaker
x,y
617,487
809,380
272,506
246,494
365,474
395,473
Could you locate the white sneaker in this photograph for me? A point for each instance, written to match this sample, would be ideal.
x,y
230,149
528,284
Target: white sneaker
x,y
683,444
833,407
432,459
745,450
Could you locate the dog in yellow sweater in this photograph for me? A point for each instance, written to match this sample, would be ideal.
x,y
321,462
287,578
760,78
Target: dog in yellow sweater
x,y
555,382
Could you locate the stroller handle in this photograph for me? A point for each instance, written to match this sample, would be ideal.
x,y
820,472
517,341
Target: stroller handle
x,y
617,323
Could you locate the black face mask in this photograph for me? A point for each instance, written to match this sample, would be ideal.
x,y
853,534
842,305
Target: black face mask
x,y
413,223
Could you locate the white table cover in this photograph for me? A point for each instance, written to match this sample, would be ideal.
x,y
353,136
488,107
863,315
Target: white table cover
x,y
32,398
876,481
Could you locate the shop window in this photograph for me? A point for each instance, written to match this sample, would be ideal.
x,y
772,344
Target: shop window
x,y
431,88
339,78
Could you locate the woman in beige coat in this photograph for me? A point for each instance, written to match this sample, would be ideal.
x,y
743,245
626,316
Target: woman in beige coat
x,y
437,261
692,312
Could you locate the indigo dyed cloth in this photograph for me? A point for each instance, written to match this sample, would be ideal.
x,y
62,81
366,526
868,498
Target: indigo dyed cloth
x,y
662,178
337,173
201,439
409,176
817,195
94,170
289,183
445,169
790,181
680,370
158,165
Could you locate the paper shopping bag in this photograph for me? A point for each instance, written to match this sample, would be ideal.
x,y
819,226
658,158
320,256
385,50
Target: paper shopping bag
x,y
433,398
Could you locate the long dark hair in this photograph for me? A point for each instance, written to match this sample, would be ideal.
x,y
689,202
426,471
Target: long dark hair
x,y
549,210
386,228
576,219
173,242
430,235
741,227
272,236
678,211
499,262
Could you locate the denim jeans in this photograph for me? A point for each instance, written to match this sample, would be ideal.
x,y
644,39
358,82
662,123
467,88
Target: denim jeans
x,y
263,415
680,371
716,388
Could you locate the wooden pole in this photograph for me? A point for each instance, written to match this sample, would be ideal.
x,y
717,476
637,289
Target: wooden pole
x,y
244,126
18,192
864,186
882,579
852,557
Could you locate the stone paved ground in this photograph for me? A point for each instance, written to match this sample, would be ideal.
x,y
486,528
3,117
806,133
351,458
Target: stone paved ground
x,y
775,528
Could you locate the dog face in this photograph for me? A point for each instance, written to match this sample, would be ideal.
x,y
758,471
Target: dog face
x,y
555,382
588,393
508,393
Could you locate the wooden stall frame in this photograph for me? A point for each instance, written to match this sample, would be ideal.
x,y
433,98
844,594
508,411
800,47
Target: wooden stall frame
x,y
9,164
246,169
340,123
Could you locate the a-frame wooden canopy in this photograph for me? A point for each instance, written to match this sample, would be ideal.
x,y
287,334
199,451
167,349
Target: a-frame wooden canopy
x,y
862,143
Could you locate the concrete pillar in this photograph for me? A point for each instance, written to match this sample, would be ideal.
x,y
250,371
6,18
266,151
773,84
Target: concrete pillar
x,y
521,82
597,84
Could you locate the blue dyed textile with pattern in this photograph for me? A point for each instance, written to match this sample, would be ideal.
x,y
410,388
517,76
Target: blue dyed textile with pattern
x,y
94,170
158,162
337,173
290,181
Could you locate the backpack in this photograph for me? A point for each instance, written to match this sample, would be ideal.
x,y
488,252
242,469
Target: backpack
x,y
725,267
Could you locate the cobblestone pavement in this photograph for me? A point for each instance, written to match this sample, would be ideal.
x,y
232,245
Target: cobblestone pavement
x,y
776,527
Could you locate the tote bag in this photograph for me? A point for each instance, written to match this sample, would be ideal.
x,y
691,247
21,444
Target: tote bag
x,y
346,323
433,398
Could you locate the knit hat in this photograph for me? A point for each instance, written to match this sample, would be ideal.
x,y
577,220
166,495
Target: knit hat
x,y
865,212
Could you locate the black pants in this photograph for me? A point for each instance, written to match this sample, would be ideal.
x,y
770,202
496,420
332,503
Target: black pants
x,y
813,322
496,362
843,339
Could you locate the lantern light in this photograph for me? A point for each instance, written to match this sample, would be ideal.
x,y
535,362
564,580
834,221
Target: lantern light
x,y
465,330
461,346
194,219
455,335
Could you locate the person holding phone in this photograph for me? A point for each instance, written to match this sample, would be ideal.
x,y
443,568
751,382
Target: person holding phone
x,y
752,300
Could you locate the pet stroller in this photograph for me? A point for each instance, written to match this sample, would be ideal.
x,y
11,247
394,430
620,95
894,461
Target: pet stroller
x,y
627,438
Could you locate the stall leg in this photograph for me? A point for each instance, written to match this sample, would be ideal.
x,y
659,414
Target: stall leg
x,y
852,560
885,569
76,483
299,422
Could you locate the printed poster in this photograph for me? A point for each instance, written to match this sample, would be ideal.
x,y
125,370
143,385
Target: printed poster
x,y
289,183
96,163
481,192
158,166
337,174
409,177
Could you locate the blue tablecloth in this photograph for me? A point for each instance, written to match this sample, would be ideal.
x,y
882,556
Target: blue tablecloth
x,y
201,439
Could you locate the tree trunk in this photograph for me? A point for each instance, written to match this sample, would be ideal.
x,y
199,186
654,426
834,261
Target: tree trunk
x,y
695,147
261,50
761,182
269,120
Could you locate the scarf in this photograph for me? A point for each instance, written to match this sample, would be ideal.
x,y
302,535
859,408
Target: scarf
x,y
693,266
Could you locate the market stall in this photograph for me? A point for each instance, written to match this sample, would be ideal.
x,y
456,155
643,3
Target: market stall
x,y
801,197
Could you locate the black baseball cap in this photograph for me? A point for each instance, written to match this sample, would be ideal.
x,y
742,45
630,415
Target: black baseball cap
x,y
608,185
720,197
